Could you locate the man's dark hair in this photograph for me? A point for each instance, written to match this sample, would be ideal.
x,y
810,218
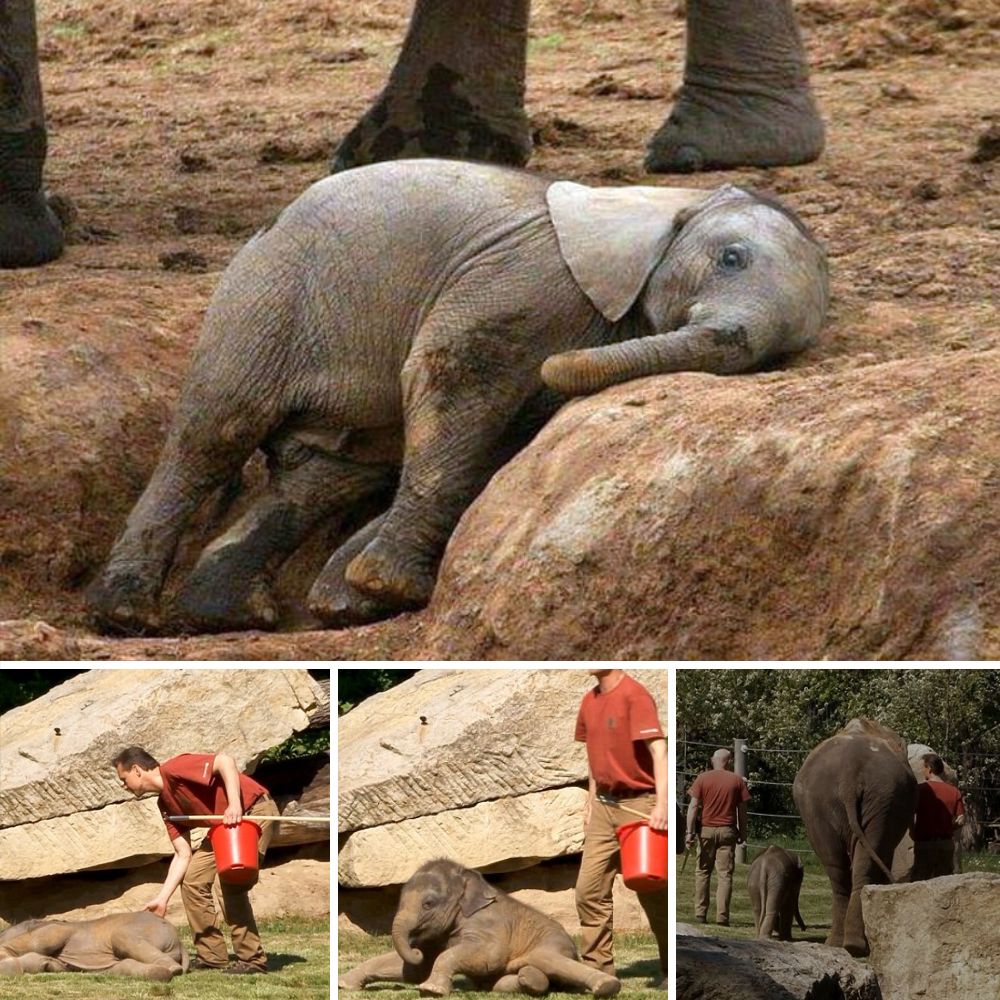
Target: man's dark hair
x,y
934,762
131,756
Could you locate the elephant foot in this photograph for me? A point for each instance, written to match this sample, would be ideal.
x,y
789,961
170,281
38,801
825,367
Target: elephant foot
x,y
713,128
124,603
30,234
856,948
213,599
429,988
532,981
338,605
350,982
434,118
607,986
395,581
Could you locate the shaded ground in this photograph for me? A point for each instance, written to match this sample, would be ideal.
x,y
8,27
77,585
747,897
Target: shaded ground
x,y
177,132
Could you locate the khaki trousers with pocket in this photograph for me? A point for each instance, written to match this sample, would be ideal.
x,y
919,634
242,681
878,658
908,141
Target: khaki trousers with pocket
x,y
600,863
199,904
717,849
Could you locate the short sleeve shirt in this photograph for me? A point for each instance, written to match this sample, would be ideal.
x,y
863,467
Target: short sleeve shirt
x,y
615,725
938,804
191,788
720,793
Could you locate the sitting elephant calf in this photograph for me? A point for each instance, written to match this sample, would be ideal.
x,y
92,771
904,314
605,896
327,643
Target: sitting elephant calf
x,y
122,944
401,330
774,881
451,921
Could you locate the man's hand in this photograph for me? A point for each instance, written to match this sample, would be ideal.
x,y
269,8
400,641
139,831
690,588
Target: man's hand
x,y
157,906
658,818
587,808
689,839
232,815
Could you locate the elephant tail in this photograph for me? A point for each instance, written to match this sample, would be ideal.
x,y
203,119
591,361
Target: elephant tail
x,y
854,819
798,918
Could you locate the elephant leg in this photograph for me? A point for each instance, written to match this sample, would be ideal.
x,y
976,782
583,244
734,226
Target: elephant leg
x,y
568,970
746,99
30,962
332,599
387,968
141,959
840,886
528,980
457,89
30,233
230,586
756,905
144,970
784,922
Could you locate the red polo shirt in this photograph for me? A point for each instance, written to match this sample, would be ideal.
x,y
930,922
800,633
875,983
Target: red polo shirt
x,y
938,804
615,726
190,788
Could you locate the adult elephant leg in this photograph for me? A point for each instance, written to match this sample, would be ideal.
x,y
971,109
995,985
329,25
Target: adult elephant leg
x,y
840,885
230,586
332,599
746,99
30,234
457,89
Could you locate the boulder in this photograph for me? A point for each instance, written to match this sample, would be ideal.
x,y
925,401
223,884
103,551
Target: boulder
x,y
936,938
62,807
785,515
449,739
500,835
711,968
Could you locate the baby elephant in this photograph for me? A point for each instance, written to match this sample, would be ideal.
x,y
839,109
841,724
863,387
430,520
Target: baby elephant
x,y
401,330
774,881
142,945
451,920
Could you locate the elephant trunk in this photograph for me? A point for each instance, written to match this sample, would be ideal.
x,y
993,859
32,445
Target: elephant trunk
x,y
402,927
721,350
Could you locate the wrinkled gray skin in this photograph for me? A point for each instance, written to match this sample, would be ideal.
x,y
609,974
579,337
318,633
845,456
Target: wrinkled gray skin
x,y
451,921
457,91
856,795
141,945
774,881
408,326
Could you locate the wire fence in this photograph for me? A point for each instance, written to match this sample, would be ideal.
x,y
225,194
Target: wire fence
x,y
770,772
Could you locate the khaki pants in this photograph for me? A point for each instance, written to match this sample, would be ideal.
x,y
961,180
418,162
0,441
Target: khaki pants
x,y
600,863
932,858
199,904
717,849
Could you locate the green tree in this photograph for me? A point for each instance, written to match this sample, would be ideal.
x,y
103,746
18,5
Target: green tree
x,y
354,685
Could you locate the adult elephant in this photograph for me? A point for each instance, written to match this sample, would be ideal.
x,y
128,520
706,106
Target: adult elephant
x,y
856,795
457,90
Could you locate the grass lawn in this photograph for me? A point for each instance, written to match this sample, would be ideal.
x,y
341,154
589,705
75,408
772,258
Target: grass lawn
x,y
298,952
635,957
815,900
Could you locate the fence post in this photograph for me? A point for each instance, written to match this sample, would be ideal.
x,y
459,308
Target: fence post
x,y
740,768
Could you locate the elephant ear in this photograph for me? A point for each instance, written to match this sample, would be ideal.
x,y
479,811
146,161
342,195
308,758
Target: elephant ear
x,y
612,238
478,893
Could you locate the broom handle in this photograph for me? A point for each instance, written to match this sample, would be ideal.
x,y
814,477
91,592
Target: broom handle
x,y
265,819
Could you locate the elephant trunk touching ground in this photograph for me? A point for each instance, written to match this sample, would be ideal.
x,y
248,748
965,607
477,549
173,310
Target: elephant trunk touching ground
x,y
30,234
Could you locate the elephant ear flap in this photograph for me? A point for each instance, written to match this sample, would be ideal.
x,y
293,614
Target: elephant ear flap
x,y
478,893
612,238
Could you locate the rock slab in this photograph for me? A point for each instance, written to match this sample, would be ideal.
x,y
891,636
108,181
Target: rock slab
x,y
957,915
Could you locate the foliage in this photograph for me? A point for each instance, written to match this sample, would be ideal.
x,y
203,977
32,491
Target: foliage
x,y
635,958
354,685
304,744
18,687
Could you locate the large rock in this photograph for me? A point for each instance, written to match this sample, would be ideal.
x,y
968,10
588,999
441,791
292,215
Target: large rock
x,y
936,938
781,515
448,739
500,835
62,807
711,968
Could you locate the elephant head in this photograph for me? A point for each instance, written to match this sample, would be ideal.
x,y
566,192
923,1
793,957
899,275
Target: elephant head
x,y
722,281
438,897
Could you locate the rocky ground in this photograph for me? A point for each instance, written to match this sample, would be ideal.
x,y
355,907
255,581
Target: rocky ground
x,y
175,133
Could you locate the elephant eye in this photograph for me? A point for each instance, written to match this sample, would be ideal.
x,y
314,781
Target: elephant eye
x,y
734,257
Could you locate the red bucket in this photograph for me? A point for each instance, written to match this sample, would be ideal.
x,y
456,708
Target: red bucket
x,y
644,856
236,851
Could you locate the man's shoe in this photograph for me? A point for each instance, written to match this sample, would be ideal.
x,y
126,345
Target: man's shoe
x,y
244,969
198,964
662,985
723,923
701,920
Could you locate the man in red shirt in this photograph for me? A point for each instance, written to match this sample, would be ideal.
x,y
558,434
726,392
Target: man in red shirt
x,y
940,811
204,784
723,798
627,756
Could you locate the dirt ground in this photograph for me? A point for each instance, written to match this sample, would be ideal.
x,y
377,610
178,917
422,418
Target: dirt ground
x,y
177,130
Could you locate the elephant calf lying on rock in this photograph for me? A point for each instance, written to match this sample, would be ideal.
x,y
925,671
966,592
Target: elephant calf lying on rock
x,y
774,881
451,921
122,944
407,327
